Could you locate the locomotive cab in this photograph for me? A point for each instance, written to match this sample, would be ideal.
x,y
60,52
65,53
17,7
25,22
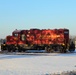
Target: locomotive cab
x,y
19,36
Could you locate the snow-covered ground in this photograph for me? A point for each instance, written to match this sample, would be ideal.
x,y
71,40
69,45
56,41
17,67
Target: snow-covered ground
x,y
36,63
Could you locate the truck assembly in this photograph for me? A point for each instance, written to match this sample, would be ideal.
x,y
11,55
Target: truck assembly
x,y
51,40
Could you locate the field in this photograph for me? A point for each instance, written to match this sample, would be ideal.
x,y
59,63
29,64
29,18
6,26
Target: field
x,y
36,63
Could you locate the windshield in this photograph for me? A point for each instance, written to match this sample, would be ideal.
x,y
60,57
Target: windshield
x,y
16,35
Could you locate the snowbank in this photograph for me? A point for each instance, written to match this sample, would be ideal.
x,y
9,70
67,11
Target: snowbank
x,y
37,64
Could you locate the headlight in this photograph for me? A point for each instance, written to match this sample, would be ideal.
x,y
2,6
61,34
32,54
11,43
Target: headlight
x,y
4,44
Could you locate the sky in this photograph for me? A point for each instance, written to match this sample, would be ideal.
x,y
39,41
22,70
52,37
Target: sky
x,y
41,14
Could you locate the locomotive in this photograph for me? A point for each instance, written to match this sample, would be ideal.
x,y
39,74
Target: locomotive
x,y
50,40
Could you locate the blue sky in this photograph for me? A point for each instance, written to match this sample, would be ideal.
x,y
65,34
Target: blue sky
x,y
26,14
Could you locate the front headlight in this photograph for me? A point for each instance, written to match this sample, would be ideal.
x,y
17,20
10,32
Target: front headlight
x,y
63,44
4,44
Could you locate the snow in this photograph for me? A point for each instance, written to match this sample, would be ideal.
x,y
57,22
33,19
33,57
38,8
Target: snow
x,y
36,63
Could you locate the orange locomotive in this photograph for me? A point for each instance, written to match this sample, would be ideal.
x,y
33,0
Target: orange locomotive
x,y
51,40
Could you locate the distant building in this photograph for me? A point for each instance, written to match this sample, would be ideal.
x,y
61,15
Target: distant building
x,y
1,41
74,40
